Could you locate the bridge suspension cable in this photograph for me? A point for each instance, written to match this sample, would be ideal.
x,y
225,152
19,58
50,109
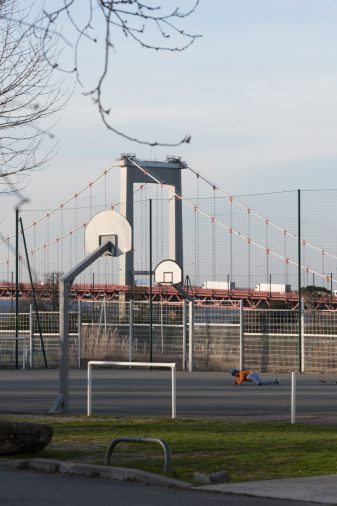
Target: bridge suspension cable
x,y
322,251
229,229
58,240
66,201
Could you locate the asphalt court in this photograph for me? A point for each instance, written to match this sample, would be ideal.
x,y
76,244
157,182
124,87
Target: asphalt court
x,y
148,393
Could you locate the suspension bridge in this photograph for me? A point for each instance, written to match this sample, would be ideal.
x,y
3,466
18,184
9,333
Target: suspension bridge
x,y
252,247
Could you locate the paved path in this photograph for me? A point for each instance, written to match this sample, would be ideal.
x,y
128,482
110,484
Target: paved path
x,y
19,488
148,393
319,489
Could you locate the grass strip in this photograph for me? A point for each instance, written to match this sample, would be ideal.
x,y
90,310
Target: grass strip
x,y
247,450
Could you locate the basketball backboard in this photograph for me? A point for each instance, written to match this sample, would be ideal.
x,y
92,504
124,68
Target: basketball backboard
x,y
168,272
108,226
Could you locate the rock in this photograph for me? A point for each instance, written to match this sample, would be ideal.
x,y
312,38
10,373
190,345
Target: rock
x,y
201,478
22,437
219,477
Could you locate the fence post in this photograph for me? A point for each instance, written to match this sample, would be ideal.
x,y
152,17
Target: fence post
x,y
190,334
184,334
241,359
174,392
161,328
79,332
30,336
23,353
299,257
63,399
130,329
302,336
293,397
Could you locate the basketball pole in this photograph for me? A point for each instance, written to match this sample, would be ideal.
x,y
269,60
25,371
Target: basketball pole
x,y
61,402
107,232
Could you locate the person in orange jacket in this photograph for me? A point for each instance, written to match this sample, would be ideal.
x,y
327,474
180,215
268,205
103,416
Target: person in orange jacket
x,y
249,375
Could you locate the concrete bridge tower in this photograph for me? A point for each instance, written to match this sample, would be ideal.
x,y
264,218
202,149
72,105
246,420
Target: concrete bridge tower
x,y
169,173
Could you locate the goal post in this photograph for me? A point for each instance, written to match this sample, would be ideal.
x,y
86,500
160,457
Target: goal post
x,y
163,365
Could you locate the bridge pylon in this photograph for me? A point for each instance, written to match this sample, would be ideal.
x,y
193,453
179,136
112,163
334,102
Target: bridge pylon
x,y
169,173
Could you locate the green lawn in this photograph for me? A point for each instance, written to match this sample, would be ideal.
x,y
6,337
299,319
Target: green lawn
x,y
249,451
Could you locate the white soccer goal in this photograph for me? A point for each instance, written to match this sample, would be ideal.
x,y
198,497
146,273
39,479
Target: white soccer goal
x,y
100,363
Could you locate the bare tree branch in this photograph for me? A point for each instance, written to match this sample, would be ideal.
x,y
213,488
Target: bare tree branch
x,y
150,25
28,93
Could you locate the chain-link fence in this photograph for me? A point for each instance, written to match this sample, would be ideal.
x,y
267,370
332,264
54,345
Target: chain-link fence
x,y
210,337
251,241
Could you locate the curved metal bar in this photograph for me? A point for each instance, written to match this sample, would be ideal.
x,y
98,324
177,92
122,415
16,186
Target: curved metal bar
x,y
131,439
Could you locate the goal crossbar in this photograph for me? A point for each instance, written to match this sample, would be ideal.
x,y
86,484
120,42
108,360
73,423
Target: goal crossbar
x,y
161,365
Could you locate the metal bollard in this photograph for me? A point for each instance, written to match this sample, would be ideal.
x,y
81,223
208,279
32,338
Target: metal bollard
x,y
130,439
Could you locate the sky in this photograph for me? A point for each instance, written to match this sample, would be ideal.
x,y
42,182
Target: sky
x,y
257,93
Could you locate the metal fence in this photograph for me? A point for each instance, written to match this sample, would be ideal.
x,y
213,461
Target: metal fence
x,y
208,337
28,346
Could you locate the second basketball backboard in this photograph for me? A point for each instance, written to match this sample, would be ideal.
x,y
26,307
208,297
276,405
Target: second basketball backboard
x,y
168,272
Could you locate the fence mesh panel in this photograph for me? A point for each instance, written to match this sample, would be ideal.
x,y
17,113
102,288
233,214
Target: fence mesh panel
x,y
120,330
263,321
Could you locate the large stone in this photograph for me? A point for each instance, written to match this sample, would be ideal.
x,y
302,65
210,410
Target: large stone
x,y
201,477
22,437
220,477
